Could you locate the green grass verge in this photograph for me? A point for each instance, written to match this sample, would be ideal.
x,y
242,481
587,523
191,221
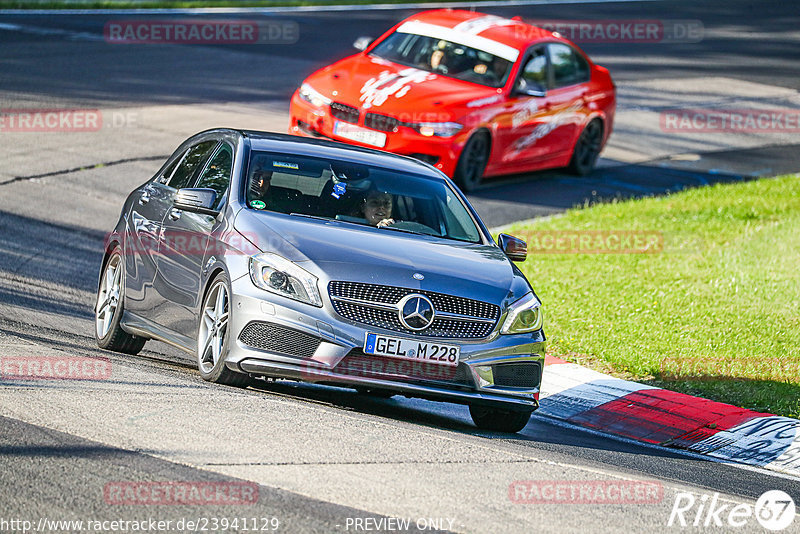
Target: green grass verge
x,y
182,4
715,313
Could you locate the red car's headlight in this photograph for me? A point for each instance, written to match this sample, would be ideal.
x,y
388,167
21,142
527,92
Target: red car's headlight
x,y
312,96
439,129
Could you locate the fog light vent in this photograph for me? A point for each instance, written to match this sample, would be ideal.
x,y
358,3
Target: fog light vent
x,y
518,375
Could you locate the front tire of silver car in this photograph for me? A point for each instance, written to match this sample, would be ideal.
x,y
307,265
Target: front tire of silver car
x,y
109,307
213,336
498,420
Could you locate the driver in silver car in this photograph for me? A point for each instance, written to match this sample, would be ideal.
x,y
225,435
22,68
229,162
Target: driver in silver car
x,y
377,208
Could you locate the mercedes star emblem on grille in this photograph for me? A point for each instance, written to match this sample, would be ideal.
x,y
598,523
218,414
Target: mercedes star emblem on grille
x,y
416,312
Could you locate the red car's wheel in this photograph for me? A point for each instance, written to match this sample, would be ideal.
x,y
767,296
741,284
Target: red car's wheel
x,y
472,162
587,149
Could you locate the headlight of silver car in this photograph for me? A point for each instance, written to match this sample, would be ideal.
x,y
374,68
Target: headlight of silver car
x,y
278,275
525,315
312,96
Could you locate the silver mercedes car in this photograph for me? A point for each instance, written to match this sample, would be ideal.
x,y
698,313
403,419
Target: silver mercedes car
x,y
267,255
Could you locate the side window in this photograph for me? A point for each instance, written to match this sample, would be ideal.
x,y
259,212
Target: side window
x,y
217,175
569,67
164,176
535,71
194,156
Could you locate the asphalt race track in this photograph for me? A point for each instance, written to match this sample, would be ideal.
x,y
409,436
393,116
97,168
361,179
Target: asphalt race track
x,y
322,457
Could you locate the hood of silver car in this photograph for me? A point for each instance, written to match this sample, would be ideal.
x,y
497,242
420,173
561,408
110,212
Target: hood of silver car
x,y
335,250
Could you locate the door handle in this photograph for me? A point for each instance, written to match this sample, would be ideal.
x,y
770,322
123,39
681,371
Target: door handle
x,y
174,214
144,198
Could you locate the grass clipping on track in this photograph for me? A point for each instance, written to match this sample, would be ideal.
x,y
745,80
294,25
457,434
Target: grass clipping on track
x,y
712,310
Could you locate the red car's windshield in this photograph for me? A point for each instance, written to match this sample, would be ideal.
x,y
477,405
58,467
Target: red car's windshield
x,y
444,57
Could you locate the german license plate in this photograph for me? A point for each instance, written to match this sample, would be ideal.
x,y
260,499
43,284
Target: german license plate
x,y
407,349
357,133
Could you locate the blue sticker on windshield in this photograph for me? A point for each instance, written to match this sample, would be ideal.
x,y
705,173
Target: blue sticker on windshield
x,y
339,190
286,165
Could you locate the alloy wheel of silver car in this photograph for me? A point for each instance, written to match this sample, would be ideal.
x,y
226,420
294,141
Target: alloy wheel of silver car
x,y
109,309
213,326
108,296
212,336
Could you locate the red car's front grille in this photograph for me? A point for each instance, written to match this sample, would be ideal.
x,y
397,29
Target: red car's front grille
x,y
382,123
344,112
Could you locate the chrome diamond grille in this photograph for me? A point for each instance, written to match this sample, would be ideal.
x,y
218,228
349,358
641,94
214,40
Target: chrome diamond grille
x,y
446,327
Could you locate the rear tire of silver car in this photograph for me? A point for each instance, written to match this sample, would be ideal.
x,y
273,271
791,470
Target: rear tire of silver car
x,y
108,309
587,149
213,336
472,162
498,420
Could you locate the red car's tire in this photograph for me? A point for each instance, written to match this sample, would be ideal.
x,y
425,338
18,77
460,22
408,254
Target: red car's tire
x,y
472,162
587,149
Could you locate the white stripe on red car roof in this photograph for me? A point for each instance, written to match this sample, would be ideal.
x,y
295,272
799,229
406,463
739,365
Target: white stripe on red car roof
x,y
451,34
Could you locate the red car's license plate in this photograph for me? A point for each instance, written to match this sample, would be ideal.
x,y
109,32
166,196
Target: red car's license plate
x,y
357,133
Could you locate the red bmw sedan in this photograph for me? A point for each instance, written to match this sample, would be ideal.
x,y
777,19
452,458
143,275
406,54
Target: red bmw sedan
x,y
472,94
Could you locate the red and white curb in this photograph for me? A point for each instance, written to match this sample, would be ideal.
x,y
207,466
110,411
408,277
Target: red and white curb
x,y
595,400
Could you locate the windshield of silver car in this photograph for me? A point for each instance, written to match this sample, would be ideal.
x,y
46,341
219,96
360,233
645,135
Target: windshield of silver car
x,y
357,194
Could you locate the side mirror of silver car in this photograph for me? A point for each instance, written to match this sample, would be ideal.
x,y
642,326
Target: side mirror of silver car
x,y
196,200
362,43
516,249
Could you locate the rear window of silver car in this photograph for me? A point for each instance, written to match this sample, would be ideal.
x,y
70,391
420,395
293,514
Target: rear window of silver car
x,y
316,187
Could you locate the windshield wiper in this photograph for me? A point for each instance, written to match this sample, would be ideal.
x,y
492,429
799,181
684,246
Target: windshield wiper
x,y
326,219
319,217
405,231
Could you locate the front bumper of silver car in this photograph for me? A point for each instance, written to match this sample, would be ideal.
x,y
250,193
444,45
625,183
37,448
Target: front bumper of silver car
x,y
281,338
